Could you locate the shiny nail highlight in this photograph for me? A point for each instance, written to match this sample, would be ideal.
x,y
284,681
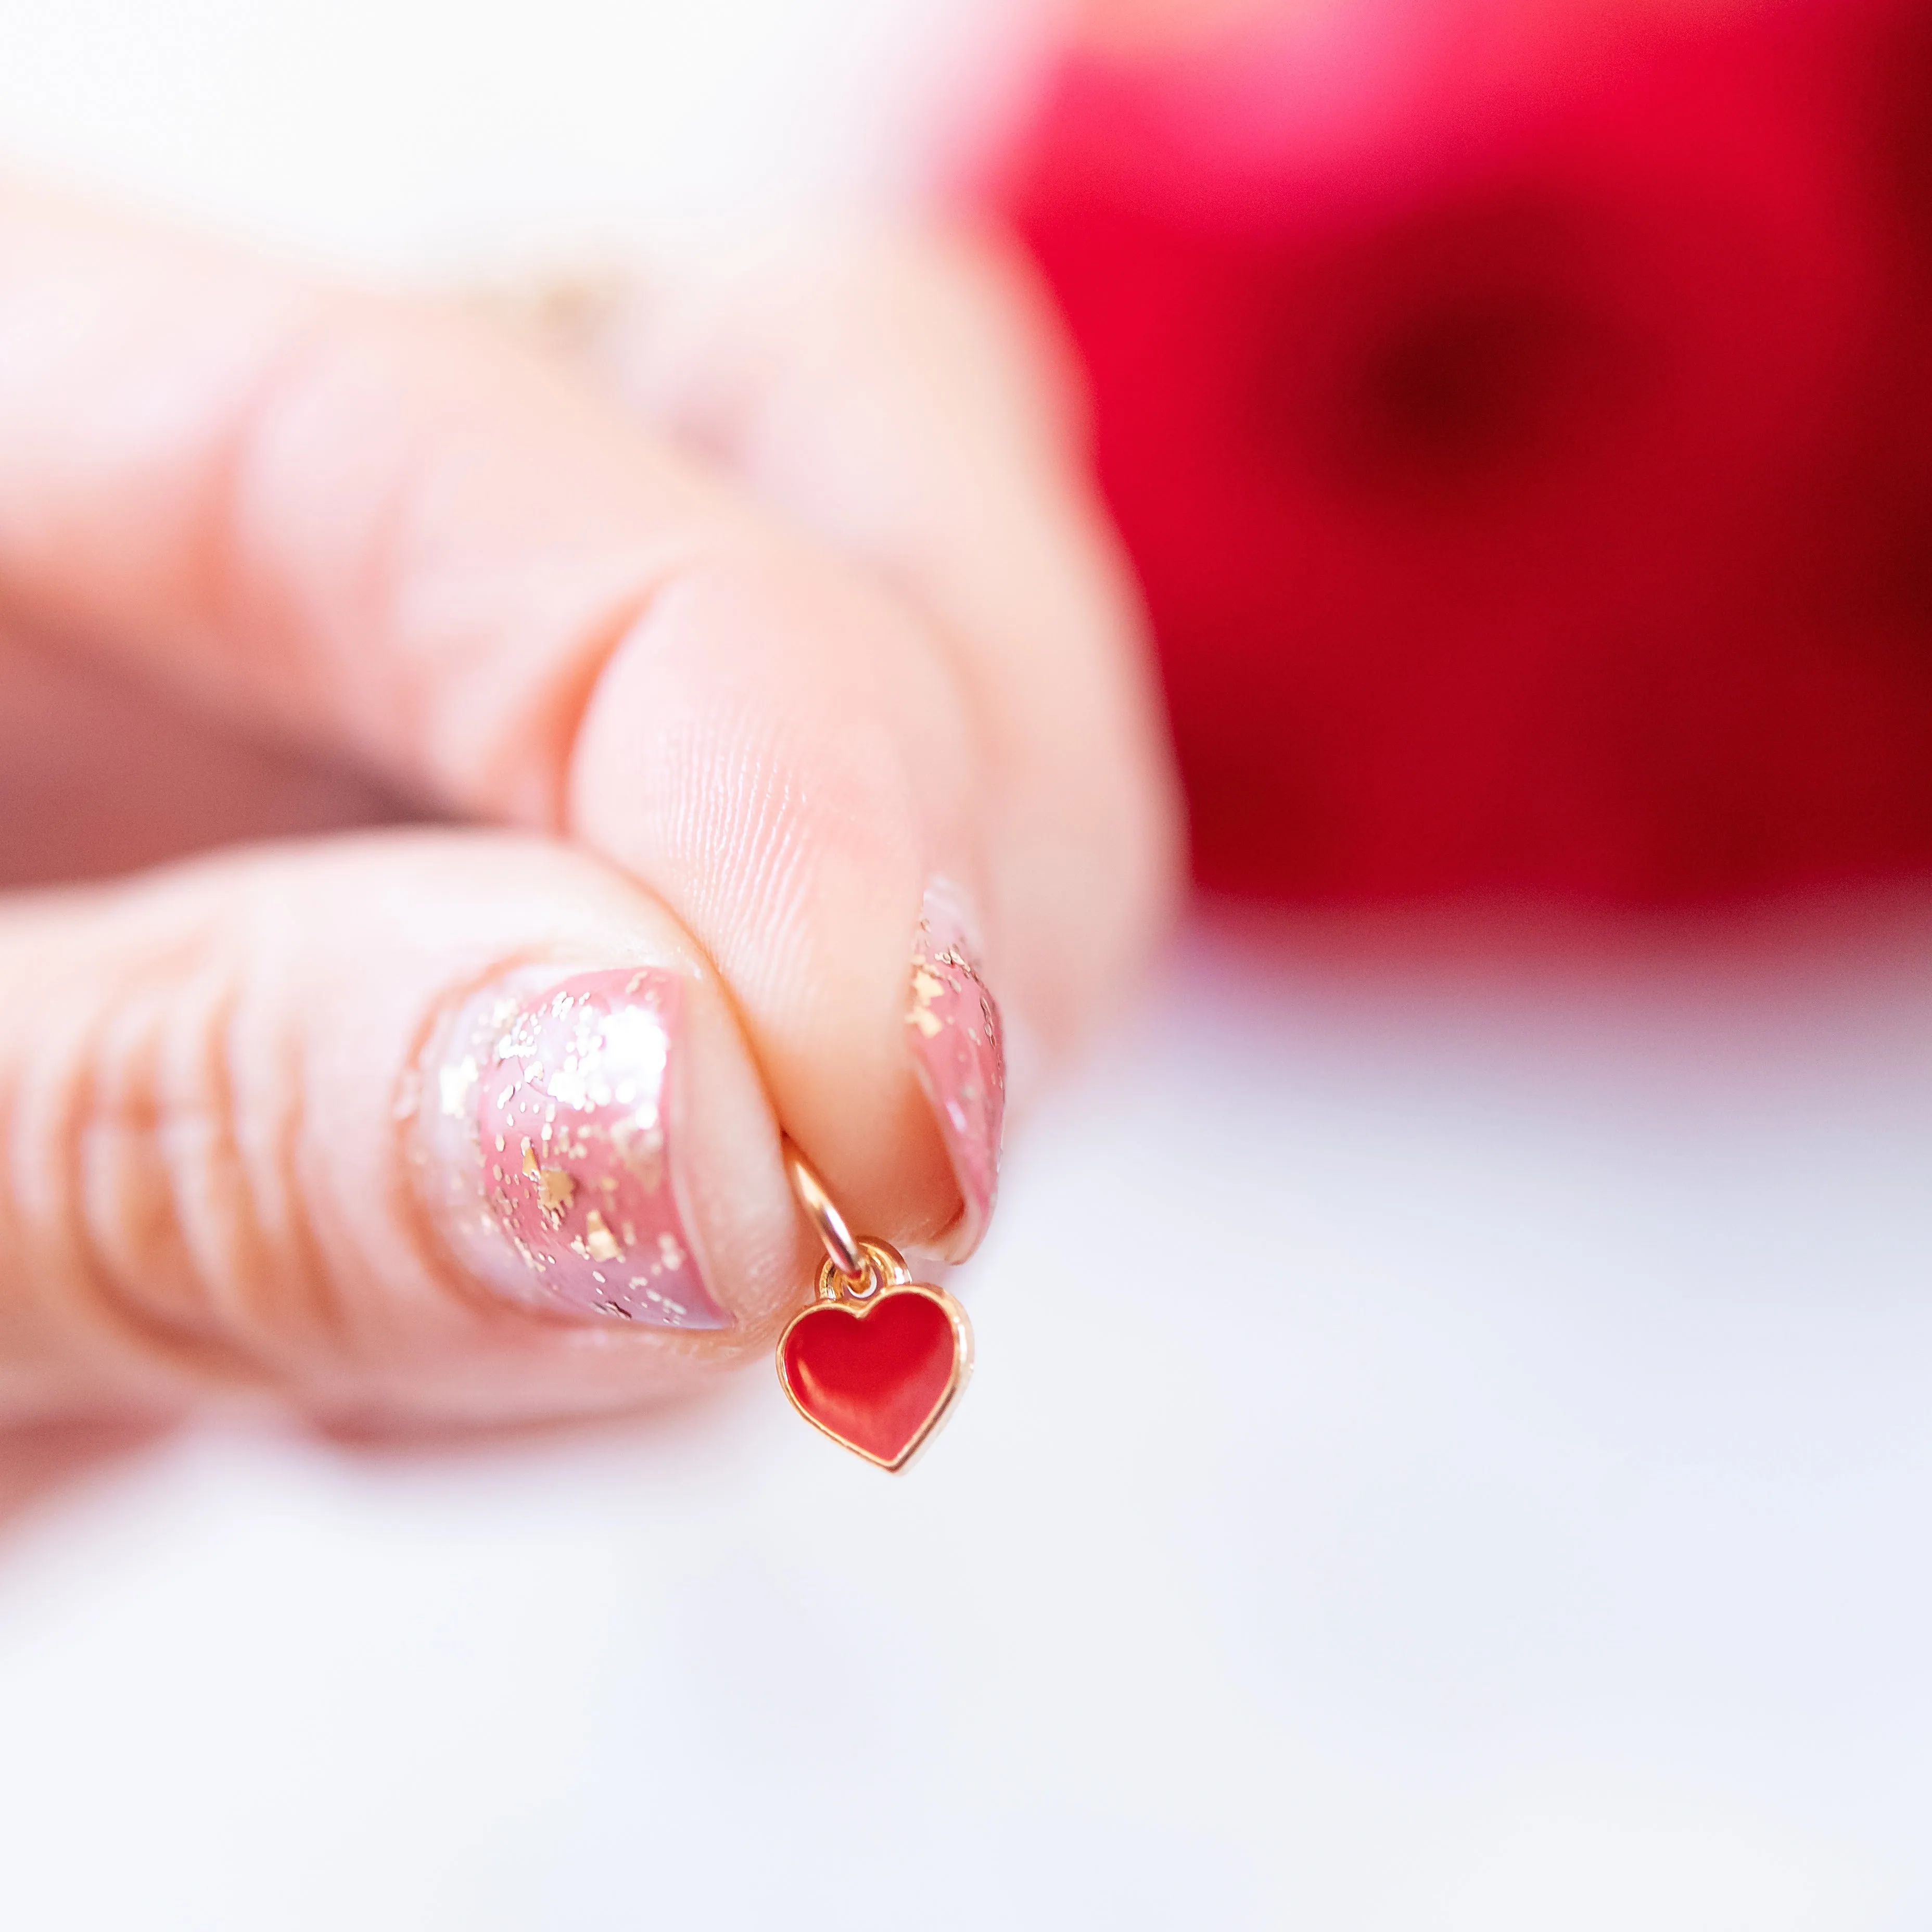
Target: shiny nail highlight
x,y
548,1120
953,1028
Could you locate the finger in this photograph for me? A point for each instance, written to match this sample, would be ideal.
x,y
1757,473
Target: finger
x,y
906,396
323,1121
394,533
101,772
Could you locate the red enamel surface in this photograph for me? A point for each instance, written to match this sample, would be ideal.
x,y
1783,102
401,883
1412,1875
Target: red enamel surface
x,y
875,1376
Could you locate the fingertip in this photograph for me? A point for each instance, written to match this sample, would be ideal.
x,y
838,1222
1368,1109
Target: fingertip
x,y
779,753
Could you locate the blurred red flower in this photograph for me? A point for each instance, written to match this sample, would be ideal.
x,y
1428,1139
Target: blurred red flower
x,y
1522,423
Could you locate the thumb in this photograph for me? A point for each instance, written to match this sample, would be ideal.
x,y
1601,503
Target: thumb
x,y
322,1120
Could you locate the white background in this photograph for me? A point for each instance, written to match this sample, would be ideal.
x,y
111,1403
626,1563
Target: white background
x,y
1453,1440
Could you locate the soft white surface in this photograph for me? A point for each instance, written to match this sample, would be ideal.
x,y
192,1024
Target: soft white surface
x,y
417,135
1451,1447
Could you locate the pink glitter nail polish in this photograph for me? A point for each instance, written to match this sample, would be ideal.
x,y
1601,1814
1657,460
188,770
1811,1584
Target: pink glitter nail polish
x,y
953,1028
551,1124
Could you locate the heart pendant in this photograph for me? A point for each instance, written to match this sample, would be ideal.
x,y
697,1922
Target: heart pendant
x,y
877,1361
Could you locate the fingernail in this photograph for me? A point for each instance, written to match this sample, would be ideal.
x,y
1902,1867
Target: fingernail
x,y
548,1117
954,1029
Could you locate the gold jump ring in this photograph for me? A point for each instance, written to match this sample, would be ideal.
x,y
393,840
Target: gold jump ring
x,y
827,1223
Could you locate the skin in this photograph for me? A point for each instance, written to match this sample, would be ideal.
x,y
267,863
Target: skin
x,y
698,627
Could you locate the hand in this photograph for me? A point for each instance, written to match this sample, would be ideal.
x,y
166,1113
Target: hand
x,y
454,1123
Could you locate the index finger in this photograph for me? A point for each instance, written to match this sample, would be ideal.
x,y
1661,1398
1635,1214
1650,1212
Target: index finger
x,y
391,531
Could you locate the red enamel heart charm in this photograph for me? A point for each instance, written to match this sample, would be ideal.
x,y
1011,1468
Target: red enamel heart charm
x,y
878,1372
